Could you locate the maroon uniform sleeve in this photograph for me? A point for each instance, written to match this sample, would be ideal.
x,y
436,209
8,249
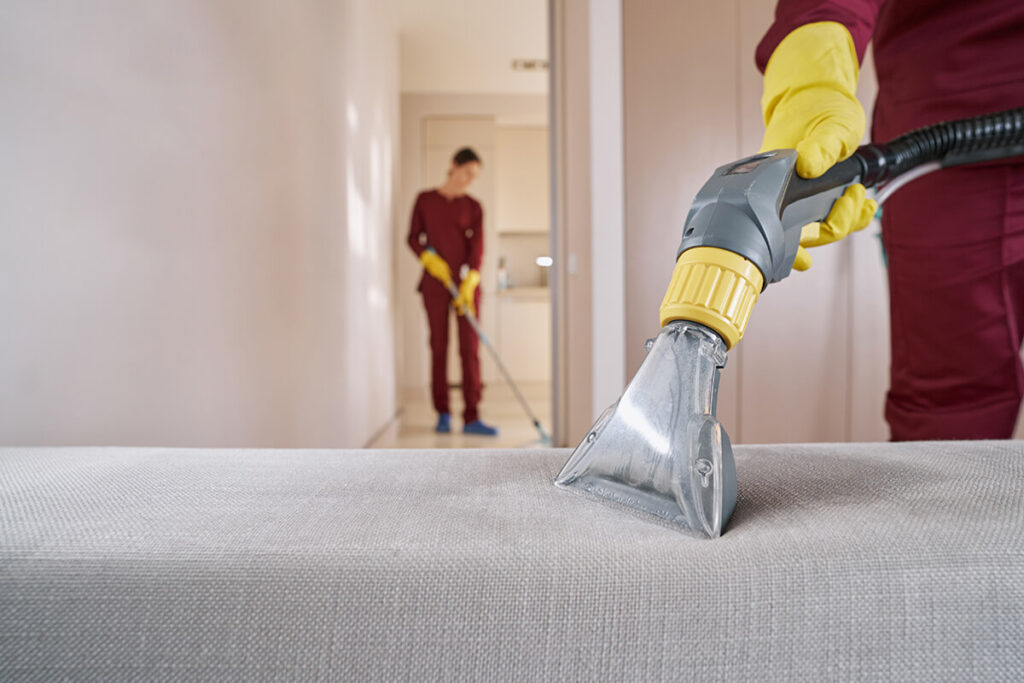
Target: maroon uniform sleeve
x,y
417,227
476,240
858,16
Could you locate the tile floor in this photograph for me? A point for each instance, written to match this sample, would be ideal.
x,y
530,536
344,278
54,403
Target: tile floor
x,y
414,427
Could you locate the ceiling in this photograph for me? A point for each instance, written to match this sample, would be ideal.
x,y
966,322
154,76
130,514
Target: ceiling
x,y
467,46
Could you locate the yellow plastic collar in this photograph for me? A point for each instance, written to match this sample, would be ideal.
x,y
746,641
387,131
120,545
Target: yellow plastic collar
x,y
713,287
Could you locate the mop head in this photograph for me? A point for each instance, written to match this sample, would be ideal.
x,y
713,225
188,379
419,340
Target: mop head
x,y
660,449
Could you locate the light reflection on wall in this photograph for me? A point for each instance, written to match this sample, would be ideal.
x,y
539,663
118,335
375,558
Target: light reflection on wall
x,y
369,126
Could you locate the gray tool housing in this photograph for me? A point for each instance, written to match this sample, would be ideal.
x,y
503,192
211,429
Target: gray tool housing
x,y
752,207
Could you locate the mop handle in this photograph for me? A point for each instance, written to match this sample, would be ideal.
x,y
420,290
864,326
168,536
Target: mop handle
x,y
475,324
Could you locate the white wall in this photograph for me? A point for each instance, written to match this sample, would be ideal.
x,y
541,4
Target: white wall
x,y
607,186
467,46
195,201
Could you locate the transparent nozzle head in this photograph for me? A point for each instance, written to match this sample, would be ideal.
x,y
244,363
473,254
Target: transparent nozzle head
x,y
660,449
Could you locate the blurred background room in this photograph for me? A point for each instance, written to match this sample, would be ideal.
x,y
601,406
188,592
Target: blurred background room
x,y
476,74
204,208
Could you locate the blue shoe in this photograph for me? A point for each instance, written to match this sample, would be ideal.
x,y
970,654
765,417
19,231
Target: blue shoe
x,y
444,423
478,427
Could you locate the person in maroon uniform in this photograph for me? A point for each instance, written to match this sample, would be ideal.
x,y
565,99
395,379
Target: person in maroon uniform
x,y
447,233
954,238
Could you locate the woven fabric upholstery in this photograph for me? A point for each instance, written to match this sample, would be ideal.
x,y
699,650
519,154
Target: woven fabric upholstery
x,y
843,561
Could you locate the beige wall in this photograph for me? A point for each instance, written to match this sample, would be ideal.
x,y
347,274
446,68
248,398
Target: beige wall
x,y
813,365
195,201
682,115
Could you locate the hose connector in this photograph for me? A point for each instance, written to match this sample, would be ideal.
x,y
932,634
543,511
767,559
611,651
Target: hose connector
x,y
714,287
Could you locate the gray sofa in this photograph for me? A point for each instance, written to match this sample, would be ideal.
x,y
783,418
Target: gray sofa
x,y
843,561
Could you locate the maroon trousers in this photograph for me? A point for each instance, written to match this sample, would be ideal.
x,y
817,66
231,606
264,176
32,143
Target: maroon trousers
x,y
955,245
439,304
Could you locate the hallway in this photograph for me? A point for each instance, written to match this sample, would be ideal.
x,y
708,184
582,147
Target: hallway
x,y
414,426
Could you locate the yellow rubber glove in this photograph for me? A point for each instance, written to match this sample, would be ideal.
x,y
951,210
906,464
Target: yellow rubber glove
x,y
467,292
850,213
436,266
810,105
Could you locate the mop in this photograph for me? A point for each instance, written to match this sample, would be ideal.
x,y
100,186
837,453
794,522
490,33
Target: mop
x,y
545,440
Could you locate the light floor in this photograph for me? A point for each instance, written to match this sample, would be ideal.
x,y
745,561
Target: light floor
x,y
414,427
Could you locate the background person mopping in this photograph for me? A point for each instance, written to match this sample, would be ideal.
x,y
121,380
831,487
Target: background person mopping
x,y
446,233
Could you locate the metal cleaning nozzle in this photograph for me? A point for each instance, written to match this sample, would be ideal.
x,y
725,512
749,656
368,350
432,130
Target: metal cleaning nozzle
x,y
660,448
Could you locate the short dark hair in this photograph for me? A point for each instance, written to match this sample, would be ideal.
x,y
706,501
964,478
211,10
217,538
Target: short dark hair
x,y
466,155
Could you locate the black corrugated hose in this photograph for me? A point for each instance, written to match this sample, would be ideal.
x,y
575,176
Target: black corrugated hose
x,y
952,143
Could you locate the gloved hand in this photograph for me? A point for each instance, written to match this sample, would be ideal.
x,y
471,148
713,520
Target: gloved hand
x,y
467,291
436,266
810,105
850,213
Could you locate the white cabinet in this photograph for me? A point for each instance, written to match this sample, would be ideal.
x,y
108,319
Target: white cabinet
x,y
524,333
522,197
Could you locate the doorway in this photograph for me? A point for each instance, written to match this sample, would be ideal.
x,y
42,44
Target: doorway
x,y
496,103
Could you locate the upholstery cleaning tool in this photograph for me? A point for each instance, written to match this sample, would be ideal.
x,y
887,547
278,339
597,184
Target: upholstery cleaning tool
x,y
660,448
475,324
